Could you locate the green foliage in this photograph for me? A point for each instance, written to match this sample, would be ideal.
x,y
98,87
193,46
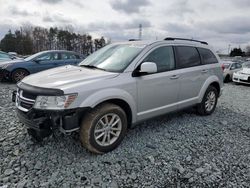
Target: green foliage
x,y
35,39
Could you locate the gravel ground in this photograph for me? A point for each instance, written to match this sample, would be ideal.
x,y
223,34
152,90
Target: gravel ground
x,y
176,150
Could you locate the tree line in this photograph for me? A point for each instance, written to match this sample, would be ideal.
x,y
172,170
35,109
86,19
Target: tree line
x,y
239,52
30,40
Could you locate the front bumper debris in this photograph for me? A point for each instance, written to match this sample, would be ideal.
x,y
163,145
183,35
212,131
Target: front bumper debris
x,y
40,120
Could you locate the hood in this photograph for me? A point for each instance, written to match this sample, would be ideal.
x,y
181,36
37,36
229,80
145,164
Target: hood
x,y
245,71
67,76
11,62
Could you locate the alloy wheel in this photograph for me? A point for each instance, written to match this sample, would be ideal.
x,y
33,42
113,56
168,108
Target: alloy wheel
x,y
108,129
210,101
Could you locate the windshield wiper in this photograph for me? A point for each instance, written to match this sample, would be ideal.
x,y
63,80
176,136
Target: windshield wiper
x,y
92,67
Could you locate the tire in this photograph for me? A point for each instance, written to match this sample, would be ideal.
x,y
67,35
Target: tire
x,y
227,79
94,124
209,102
38,136
18,74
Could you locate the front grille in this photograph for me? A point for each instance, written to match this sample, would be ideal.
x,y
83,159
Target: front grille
x,y
29,95
24,100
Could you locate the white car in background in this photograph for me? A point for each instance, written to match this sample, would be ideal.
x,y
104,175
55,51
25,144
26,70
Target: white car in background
x,y
229,67
243,76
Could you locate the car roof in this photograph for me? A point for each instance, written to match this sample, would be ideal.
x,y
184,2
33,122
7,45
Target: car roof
x,y
61,51
228,61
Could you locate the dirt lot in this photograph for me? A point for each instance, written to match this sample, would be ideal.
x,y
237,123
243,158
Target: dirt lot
x,y
177,150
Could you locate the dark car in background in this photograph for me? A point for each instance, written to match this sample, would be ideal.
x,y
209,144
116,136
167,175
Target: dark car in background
x,y
16,70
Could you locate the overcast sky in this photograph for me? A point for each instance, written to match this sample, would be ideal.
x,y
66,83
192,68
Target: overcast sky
x,y
221,22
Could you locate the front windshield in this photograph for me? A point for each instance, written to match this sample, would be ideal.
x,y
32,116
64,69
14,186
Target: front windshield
x,y
114,57
33,56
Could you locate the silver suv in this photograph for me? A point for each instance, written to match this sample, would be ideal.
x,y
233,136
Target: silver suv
x,y
119,86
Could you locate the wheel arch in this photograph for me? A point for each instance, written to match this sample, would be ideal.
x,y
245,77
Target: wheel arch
x,y
115,96
216,85
19,68
211,81
123,105
15,69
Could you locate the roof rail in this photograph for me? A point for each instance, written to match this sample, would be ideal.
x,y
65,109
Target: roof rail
x,y
170,38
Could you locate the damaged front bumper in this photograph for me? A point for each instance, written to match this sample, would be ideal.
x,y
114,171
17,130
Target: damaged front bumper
x,y
43,120
48,120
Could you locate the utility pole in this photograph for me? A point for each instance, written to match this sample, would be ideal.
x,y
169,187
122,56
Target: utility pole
x,y
229,48
140,31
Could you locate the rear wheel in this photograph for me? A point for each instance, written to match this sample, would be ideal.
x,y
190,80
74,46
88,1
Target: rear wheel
x,y
227,79
19,74
103,129
209,102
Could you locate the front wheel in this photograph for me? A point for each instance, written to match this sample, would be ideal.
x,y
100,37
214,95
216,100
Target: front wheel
x,y
103,128
209,102
18,75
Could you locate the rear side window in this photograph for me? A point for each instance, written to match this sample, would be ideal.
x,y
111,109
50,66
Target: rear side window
x,y
65,56
187,56
207,56
163,57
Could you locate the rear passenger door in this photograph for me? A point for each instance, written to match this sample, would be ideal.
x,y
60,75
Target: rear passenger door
x,y
158,93
192,74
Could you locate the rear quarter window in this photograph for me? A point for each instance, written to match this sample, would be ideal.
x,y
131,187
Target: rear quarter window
x,y
207,56
187,56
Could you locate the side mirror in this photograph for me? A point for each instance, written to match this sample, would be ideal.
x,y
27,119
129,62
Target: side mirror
x,y
148,67
37,60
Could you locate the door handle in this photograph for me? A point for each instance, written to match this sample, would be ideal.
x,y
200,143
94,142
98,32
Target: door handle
x,y
204,71
174,77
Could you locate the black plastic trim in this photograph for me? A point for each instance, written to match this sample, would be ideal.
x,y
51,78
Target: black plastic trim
x,y
40,90
192,40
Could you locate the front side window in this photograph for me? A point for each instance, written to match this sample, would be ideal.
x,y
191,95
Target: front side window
x,y
207,56
187,56
238,65
48,57
163,57
113,58
233,66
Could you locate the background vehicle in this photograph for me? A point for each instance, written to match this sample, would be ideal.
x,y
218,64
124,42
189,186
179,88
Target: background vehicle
x,y
243,76
5,57
18,69
229,67
119,86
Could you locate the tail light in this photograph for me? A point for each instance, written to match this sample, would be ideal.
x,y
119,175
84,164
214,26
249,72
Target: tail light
x,y
223,67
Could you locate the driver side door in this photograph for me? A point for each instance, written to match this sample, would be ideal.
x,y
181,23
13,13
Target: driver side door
x,y
158,93
45,61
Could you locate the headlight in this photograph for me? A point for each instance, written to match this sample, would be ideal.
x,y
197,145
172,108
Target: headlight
x,y
5,66
54,102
